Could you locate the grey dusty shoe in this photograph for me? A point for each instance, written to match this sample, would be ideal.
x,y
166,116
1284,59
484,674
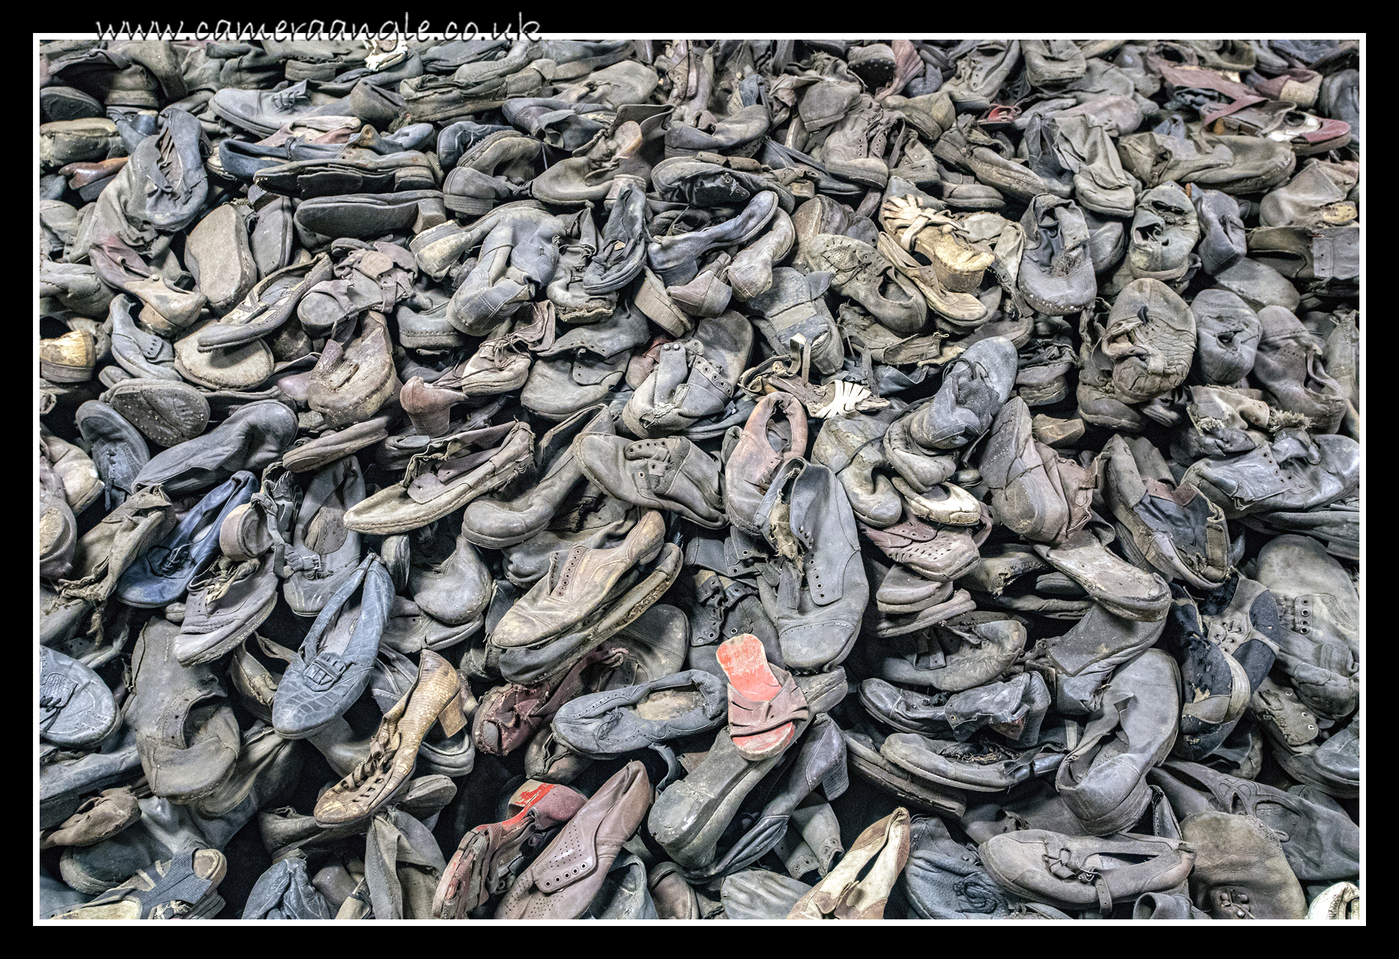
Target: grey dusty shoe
x,y
815,589
76,708
1077,664
1240,870
117,448
1056,271
974,388
607,724
285,892
251,438
1103,779
1079,873
669,474
692,379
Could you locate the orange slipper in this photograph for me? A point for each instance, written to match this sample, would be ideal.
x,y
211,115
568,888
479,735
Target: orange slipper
x,y
764,703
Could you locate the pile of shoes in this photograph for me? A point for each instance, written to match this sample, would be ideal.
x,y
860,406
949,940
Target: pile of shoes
x,y
748,479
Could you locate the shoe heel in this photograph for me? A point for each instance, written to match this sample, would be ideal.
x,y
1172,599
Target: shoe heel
x,y
454,716
837,781
431,212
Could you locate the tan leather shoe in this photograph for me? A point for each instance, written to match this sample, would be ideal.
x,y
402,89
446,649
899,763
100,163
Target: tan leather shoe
x,y
68,358
576,585
879,854
394,752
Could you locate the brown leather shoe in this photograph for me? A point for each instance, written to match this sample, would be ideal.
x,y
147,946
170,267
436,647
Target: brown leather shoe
x,y
562,882
490,855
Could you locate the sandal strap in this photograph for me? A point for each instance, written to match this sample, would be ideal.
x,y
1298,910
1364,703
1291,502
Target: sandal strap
x,y
748,717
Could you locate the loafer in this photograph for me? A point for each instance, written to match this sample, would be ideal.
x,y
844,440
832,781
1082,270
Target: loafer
x,y
606,724
332,666
265,112
976,766
364,216
443,479
578,582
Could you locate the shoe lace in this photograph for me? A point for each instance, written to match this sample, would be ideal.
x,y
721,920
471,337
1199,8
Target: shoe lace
x,y
223,575
980,753
55,690
170,560
975,894
1294,615
290,97
164,178
1065,866
381,750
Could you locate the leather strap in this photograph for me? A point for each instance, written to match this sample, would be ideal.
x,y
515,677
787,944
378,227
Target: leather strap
x,y
748,717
